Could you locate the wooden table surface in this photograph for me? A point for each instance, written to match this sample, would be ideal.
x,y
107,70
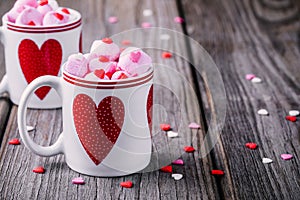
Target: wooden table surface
x,y
242,37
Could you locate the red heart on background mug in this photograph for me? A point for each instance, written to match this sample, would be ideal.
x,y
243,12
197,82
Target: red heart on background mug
x,y
37,62
98,128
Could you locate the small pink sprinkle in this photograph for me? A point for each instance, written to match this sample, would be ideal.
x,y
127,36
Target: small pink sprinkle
x,y
126,42
250,76
178,20
194,125
113,20
78,180
178,162
286,156
146,25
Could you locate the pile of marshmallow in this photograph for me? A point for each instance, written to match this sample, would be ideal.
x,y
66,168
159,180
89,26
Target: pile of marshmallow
x,y
106,62
38,13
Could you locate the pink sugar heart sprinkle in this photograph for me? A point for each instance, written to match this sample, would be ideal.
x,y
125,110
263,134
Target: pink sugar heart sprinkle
x,y
135,56
178,20
146,25
78,181
178,162
194,125
113,19
250,76
286,156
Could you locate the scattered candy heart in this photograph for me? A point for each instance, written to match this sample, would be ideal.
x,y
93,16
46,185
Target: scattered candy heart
x,y
126,42
30,128
164,37
194,125
167,169
165,127
126,184
14,141
267,160
78,181
166,55
178,20
39,170
291,118
177,176
294,113
178,162
256,80
251,145
286,156
113,20
250,76
262,112
189,149
172,134
146,25
147,12
217,172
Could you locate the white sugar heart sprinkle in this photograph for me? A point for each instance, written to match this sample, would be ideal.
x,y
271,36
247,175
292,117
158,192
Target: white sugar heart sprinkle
x,y
267,160
164,37
78,180
286,156
147,12
294,113
256,80
262,112
30,128
178,162
250,76
194,125
172,134
177,176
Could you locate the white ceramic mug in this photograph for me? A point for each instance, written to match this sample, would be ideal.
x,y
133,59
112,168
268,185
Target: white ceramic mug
x,y
106,125
33,51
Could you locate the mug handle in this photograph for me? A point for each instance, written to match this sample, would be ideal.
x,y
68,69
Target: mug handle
x,y
57,147
4,83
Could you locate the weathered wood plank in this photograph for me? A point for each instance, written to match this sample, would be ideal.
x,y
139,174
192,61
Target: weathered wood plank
x,y
248,37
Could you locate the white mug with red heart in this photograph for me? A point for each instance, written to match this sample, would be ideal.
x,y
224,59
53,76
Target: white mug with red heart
x,y
106,124
34,51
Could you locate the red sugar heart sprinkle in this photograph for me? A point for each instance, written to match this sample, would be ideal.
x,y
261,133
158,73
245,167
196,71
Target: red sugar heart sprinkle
x,y
43,2
291,118
167,169
31,23
126,184
65,10
103,59
14,141
165,127
189,149
100,73
166,55
217,172
59,16
107,40
251,145
123,76
39,170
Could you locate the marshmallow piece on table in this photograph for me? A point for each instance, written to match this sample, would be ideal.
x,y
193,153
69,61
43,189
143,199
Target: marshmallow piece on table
x,y
30,16
134,61
77,65
105,47
54,18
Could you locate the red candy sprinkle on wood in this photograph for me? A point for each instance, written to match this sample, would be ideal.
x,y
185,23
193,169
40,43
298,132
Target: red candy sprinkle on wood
x,y
14,141
126,184
165,127
217,172
167,169
189,149
251,145
166,55
291,118
39,170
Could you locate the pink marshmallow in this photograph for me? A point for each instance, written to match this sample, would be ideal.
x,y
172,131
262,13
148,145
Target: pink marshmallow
x,y
54,18
100,63
107,48
44,9
120,75
31,3
77,65
30,16
134,61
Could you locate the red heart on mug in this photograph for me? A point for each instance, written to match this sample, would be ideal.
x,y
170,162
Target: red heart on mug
x,y
37,62
98,128
149,108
